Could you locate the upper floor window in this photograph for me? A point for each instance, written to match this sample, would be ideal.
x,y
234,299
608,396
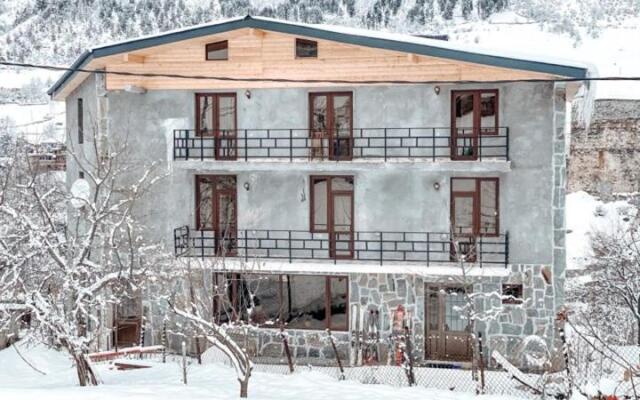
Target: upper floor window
x,y
80,122
474,206
473,113
217,51
331,125
306,48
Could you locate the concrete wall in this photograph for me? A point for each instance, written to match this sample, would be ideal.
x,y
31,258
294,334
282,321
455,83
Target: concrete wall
x,y
387,197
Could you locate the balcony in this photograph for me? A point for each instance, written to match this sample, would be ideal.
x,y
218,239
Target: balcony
x,y
425,144
424,248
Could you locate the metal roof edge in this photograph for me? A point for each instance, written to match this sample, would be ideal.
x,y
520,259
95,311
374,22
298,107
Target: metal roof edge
x,y
324,34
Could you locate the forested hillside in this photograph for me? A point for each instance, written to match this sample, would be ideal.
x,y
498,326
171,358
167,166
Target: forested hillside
x,y
56,31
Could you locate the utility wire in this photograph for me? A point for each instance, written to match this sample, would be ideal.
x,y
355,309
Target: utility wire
x,y
287,80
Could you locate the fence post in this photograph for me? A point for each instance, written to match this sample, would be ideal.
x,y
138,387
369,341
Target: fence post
x,y
187,144
287,351
142,333
409,357
506,249
428,249
335,351
184,362
507,130
164,341
433,143
481,363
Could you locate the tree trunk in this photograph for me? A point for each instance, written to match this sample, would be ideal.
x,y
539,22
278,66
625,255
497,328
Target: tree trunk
x,y
86,377
244,388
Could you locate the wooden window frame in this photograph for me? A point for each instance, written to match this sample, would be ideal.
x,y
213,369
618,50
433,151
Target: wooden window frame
x,y
214,178
477,206
80,121
305,41
216,122
222,44
330,190
329,134
327,296
477,105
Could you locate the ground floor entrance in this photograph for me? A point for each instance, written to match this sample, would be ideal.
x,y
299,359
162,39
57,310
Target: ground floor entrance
x,y
447,331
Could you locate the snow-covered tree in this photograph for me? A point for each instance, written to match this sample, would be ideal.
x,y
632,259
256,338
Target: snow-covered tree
x,y
67,253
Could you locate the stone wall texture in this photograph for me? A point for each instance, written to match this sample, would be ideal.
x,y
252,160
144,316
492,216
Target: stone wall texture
x,y
605,154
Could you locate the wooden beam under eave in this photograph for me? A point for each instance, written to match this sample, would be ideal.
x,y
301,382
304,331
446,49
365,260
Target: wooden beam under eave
x,y
132,58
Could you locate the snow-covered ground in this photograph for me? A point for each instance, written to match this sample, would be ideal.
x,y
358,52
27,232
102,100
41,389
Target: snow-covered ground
x,y
163,381
587,214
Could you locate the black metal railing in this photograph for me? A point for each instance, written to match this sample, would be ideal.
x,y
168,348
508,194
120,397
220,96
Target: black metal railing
x,y
368,143
426,248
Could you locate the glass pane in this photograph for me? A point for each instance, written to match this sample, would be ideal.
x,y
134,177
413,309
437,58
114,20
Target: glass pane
x,y
463,218
320,204
339,303
205,204
433,309
218,51
319,114
342,218
342,183
488,110
226,182
463,185
342,115
306,48
226,213
454,314
206,115
265,290
488,207
227,113
464,113
304,302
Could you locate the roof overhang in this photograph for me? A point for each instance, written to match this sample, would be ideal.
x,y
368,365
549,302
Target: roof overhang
x,y
423,47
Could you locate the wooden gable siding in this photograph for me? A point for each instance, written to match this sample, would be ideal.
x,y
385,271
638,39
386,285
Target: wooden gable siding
x,y
262,54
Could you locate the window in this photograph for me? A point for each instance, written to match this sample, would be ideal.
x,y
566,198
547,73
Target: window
x,y
511,293
331,125
473,113
216,118
474,206
216,210
306,48
80,122
331,202
297,301
217,51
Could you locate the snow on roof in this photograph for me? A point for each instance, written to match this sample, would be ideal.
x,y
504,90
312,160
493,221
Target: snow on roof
x,y
355,36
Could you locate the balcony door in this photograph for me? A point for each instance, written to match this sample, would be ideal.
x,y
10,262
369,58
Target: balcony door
x,y
447,329
216,212
474,113
332,211
331,125
474,213
216,120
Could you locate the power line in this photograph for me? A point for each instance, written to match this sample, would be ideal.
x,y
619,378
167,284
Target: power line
x,y
287,80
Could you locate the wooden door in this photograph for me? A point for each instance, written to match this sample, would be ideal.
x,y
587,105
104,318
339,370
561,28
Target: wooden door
x,y
216,211
216,118
448,331
464,125
331,125
341,224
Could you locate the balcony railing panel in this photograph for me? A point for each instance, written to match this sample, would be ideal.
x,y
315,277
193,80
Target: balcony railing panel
x,y
426,248
368,143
